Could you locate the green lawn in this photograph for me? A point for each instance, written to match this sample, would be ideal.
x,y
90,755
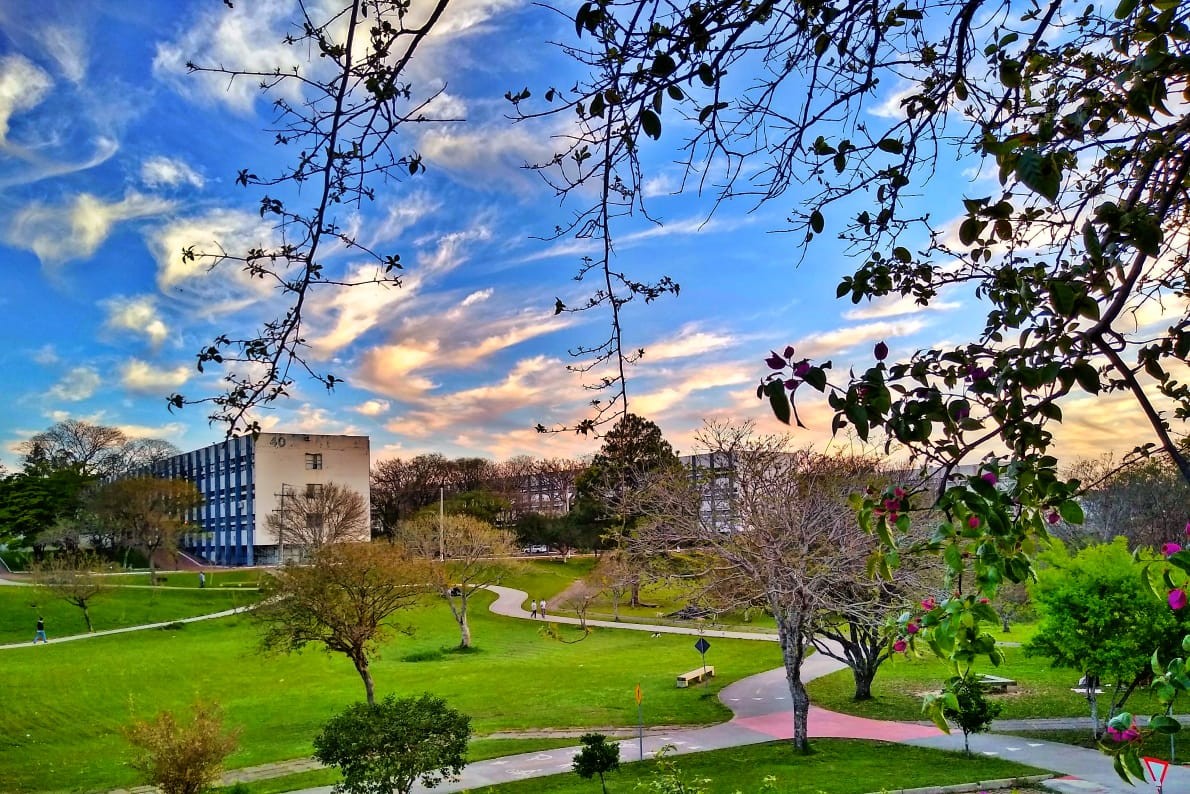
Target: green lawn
x,y
215,579
1156,745
116,608
546,578
62,733
1042,690
837,766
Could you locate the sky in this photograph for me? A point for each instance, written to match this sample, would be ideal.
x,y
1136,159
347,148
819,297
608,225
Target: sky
x,y
113,158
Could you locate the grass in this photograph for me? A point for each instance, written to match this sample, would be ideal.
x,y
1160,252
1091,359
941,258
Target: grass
x,y
546,578
1155,745
114,609
1041,691
837,766
215,579
63,732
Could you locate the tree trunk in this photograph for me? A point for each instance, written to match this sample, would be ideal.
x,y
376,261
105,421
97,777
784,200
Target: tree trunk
x,y
634,592
152,571
361,667
1093,699
863,675
464,626
790,628
87,617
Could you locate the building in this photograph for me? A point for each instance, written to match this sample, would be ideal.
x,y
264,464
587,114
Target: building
x,y
245,479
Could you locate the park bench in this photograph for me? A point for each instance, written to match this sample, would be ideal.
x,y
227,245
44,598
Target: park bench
x,y
994,683
695,676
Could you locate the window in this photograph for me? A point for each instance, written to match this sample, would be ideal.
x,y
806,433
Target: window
x,y
313,490
313,460
313,520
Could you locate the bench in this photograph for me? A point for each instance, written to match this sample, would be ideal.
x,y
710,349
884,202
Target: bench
x,y
994,683
695,676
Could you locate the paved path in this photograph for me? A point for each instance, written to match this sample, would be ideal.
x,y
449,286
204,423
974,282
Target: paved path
x,y
73,637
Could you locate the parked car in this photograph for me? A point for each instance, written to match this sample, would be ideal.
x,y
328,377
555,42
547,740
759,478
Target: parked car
x,y
536,550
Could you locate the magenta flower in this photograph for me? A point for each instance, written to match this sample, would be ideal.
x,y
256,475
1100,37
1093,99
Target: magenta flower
x,y
927,603
1188,528
1177,599
775,361
899,492
1053,517
1170,549
789,351
881,351
900,645
989,477
973,522
911,627
801,368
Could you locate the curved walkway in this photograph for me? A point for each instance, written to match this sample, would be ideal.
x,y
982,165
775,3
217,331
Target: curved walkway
x,y
73,637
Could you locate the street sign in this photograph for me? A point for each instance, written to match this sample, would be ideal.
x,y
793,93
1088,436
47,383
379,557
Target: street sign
x,y
702,646
639,695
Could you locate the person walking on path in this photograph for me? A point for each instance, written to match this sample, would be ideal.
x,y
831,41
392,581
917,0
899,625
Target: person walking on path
x,y
542,607
533,604
40,635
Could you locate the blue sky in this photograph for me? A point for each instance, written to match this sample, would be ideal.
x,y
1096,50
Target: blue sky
x,y
112,158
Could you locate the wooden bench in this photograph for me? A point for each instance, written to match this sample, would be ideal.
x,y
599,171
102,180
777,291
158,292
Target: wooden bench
x,y
994,683
695,676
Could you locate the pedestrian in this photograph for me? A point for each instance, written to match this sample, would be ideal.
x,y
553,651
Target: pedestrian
x,y
533,603
202,579
542,607
40,635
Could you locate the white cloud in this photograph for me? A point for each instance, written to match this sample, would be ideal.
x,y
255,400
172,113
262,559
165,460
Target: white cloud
x,y
842,340
77,384
46,354
68,48
23,85
373,407
161,171
494,155
136,314
895,306
59,234
140,376
689,341
477,297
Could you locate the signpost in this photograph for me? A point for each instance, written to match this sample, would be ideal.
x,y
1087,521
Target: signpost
x,y
640,721
702,646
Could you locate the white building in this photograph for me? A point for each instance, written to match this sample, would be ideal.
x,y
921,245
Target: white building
x,y
244,480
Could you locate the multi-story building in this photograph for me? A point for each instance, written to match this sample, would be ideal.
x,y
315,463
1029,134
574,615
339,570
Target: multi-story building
x,y
245,479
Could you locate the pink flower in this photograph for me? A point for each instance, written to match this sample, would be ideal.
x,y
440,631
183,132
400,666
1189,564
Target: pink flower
x,y
789,351
1053,517
983,600
1177,599
989,477
1188,528
881,351
1170,549
900,645
899,492
973,522
927,603
775,361
801,368
912,627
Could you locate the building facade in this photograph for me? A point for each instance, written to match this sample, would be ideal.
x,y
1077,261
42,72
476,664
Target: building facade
x,y
244,480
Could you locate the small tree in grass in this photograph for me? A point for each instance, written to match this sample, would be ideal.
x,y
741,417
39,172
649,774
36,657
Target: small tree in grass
x,y
598,757
967,707
73,577
182,757
388,746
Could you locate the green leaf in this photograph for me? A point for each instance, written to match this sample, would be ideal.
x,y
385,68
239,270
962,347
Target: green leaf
x,y
779,401
1071,512
663,65
650,122
891,145
901,254
1039,174
1087,377
1165,724
821,45
816,377
817,222
1062,297
1125,8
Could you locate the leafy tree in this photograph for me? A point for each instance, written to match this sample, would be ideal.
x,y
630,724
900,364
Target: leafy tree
x,y
344,600
1099,618
182,757
146,513
385,747
597,757
794,542
36,499
73,577
310,519
968,707
465,555
1146,501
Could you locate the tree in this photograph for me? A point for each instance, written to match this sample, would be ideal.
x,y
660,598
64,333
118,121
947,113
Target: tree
x,y
179,757
579,598
387,746
1099,618
466,554
968,707
598,757
613,575
36,499
344,600
73,577
1144,500
322,514
94,450
792,541
146,513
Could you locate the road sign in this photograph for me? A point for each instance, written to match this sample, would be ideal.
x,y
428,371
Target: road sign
x,y
702,646
639,695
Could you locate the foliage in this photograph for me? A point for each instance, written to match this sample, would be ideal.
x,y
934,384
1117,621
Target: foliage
x,y
465,554
387,746
344,600
598,756
1144,501
966,704
667,778
34,500
317,516
1099,618
182,757
146,513
72,577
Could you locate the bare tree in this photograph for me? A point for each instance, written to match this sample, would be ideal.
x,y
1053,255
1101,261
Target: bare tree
x,y
614,576
321,514
72,577
146,513
93,449
344,600
466,554
792,540
579,598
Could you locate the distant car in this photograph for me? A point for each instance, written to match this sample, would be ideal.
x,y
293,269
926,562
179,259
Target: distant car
x,y
536,550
